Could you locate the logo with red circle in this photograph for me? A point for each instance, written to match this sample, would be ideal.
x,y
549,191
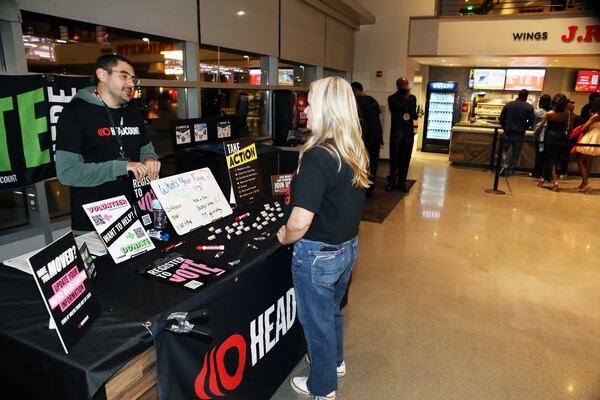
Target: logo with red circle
x,y
216,374
104,132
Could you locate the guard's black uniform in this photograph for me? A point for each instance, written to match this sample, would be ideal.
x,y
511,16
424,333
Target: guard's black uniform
x,y
403,110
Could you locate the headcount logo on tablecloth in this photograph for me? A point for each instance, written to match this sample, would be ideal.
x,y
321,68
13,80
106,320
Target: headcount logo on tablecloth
x,y
215,379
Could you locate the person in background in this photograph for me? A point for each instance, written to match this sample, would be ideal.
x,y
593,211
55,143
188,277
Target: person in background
x,y
584,154
585,113
372,132
544,105
515,118
327,195
558,123
100,138
403,111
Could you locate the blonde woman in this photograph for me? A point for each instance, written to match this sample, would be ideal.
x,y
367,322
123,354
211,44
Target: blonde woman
x,y
327,194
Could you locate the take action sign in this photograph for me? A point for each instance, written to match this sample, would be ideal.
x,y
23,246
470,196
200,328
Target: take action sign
x,y
244,171
61,277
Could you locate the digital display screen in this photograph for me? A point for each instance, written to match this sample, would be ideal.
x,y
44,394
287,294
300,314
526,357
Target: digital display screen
x,y
588,81
286,77
530,79
488,79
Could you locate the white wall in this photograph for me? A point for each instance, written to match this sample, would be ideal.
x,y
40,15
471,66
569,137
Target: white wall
x,y
384,47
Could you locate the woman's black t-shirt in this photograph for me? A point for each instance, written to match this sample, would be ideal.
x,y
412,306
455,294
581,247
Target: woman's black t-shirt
x,y
320,188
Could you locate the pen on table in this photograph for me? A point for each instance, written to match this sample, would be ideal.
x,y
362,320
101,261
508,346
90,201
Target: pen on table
x,y
241,217
211,247
172,246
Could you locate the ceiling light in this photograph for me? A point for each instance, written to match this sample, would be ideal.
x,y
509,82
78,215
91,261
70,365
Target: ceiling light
x,y
241,12
145,39
555,60
443,60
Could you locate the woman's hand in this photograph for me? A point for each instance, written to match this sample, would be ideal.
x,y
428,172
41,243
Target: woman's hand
x,y
281,235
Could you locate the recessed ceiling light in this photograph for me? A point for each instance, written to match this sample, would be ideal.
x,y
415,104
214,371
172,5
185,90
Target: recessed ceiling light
x,y
241,12
443,60
145,39
555,60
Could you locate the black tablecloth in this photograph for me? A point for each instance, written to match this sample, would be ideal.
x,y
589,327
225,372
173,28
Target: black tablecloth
x,y
33,361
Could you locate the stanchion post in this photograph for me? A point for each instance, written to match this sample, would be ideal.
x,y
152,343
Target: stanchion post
x,y
494,141
495,190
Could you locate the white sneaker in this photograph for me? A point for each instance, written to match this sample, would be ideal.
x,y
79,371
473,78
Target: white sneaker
x,y
341,370
299,385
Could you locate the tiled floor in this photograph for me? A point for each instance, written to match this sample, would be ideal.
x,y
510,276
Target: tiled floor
x,y
464,295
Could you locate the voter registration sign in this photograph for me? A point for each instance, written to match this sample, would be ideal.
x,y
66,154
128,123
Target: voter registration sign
x,y
244,172
61,278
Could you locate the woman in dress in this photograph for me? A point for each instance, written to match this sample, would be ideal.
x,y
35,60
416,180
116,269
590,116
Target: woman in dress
x,y
544,105
590,135
558,123
327,195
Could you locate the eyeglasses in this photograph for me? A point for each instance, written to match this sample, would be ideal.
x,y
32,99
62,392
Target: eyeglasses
x,y
124,75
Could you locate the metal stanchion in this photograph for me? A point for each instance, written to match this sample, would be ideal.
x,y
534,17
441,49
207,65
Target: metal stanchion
x,y
495,190
494,141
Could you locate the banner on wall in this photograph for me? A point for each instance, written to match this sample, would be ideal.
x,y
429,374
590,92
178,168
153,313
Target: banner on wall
x,y
30,106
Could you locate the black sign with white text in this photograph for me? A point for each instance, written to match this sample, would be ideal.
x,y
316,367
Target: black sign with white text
x,y
61,277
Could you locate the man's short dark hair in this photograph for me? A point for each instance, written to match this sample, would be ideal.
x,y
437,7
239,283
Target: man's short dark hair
x,y
107,61
357,86
593,96
523,93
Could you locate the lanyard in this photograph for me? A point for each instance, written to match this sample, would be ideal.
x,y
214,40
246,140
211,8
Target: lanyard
x,y
114,126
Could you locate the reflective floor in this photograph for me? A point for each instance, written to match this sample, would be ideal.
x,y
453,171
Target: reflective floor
x,y
465,295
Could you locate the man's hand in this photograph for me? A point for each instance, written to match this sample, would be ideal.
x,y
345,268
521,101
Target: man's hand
x,y
139,170
153,166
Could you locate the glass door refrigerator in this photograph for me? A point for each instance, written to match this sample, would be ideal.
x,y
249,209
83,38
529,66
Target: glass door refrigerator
x,y
439,114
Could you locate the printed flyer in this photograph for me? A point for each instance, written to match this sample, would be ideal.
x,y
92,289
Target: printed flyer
x,y
183,272
62,280
118,227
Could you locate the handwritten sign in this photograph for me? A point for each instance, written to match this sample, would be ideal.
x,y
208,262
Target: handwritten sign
x,y
191,200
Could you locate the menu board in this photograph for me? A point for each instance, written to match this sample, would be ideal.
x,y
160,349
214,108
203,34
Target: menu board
x,y
191,200
530,79
120,230
488,79
588,81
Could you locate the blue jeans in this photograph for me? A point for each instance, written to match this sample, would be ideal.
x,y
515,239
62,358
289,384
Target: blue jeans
x,y
320,281
517,146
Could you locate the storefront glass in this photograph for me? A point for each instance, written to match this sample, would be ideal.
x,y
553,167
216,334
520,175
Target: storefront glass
x,y
61,46
229,66
293,74
249,105
13,209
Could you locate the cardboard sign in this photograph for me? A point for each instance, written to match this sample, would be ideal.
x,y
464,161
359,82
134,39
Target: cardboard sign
x,y
143,195
118,227
61,278
281,184
244,172
183,272
191,200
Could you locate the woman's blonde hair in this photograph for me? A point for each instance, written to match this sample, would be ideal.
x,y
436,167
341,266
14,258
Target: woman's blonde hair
x,y
334,116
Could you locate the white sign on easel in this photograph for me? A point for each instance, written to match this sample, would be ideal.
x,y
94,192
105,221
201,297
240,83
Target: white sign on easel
x,y
191,200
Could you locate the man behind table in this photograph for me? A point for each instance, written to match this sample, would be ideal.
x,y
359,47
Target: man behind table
x,y
100,138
